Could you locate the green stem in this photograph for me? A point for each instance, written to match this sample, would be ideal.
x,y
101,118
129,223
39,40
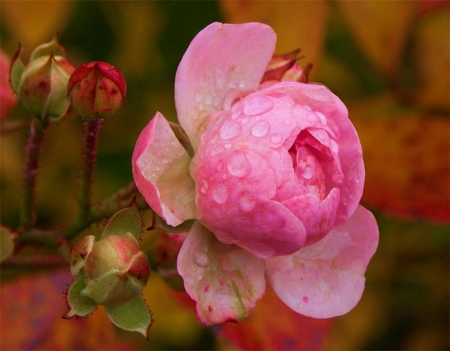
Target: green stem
x,y
91,131
38,129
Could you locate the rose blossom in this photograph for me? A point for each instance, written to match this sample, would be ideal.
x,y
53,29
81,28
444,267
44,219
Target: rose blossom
x,y
274,183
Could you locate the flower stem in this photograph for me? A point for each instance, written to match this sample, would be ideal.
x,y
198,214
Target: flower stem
x,y
91,130
38,129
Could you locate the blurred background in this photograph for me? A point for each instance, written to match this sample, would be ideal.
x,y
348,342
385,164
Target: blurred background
x,y
387,60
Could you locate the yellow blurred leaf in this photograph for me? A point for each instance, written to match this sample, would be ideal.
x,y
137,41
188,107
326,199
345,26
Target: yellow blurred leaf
x,y
380,29
137,25
406,156
298,24
35,22
432,57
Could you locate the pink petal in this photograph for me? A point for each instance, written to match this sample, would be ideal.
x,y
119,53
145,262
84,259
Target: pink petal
x,y
319,99
234,199
221,61
326,279
161,172
224,280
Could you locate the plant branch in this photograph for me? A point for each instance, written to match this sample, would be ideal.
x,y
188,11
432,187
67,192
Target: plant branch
x,y
38,129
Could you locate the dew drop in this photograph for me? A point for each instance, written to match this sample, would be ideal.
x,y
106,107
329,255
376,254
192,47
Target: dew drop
x,y
230,130
208,100
220,193
227,145
238,164
219,166
311,118
287,122
276,138
260,129
322,118
242,84
245,121
257,105
247,203
204,186
201,258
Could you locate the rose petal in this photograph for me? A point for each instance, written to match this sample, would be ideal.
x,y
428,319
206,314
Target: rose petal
x,y
161,172
221,61
234,198
224,280
320,99
326,279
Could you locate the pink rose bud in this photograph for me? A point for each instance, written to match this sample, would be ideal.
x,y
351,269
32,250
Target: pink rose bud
x,y
115,268
41,85
96,90
7,97
285,68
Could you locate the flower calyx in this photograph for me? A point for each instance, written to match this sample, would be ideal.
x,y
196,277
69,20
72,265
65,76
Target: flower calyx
x,y
112,271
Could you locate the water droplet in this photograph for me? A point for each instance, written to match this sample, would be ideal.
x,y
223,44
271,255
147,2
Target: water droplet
x,y
247,203
276,139
204,186
242,84
238,164
201,258
208,100
260,129
257,105
230,130
307,107
322,118
227,145
245,120
219,166
220,193
287,122
311,117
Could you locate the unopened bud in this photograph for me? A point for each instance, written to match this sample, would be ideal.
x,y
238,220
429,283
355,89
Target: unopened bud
x,y
285,68
42,84
96,89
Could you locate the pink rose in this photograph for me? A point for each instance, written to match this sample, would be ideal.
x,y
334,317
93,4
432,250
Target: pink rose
x,y
274,183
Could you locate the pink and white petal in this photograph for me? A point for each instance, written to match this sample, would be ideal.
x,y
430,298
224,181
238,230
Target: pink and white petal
x,y
326,279
222,61
224,280
160,167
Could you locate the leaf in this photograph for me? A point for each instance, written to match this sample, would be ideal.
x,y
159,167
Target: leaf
x,y
34,22
298,24
31,308
431,53
79,305
381,29
6,242
406,157
132,316
16,70
126,220
274,326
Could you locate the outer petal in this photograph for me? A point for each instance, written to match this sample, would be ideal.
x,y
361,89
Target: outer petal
x,y
224,280
326,279
221,61
161,172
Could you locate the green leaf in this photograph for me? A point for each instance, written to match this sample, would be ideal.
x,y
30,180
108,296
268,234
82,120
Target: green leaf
x,y
79,305
16,70
184,227
6,243
126,220
132,316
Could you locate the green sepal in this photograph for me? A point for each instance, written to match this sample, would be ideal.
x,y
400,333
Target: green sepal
x,y
79,305
132,316
126,220
99,290
184,227
53,46
16,70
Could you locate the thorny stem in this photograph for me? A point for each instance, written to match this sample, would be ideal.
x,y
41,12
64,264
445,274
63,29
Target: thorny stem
x,y
38,129
91,131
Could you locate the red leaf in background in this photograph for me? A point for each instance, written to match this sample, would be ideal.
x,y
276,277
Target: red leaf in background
x,y
274,326
31,308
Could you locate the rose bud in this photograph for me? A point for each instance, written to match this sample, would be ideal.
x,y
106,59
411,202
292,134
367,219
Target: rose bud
x,y
41,85
96,89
